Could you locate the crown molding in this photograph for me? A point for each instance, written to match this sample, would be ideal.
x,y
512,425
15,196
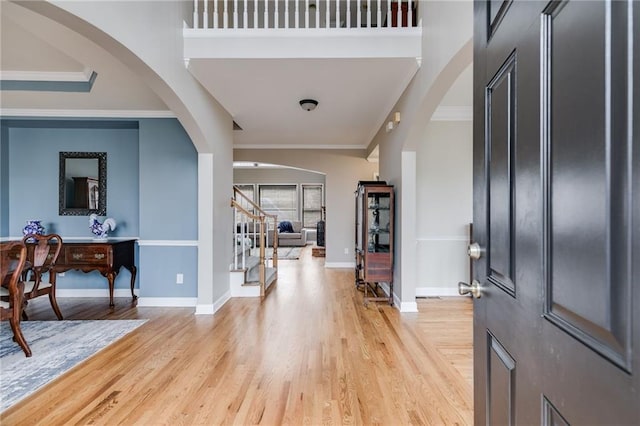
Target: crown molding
x,y
84,113
296,146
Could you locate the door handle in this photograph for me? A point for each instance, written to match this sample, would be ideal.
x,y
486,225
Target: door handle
x,y
474,251
473,289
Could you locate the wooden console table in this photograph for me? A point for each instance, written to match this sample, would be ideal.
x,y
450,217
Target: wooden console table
x,y
106,256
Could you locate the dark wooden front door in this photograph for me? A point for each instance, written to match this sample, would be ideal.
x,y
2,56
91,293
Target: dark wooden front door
x,y
557,212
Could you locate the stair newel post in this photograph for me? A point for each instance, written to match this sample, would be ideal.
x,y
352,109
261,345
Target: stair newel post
x,y
235,236
263,269
275,244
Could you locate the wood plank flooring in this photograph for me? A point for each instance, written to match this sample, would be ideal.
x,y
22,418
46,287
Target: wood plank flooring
x,y
309,353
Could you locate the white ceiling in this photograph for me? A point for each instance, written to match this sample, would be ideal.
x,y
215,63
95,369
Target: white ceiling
x,y
355,95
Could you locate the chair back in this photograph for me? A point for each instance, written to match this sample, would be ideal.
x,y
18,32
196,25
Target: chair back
x,y
13,256
45,252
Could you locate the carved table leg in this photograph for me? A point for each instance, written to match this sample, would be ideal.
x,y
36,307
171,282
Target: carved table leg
x,y
111,276
133,271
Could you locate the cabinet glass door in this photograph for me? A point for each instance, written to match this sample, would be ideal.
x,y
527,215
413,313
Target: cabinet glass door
x,y
378,236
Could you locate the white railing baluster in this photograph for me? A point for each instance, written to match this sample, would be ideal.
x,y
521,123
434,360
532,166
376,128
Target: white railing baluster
x,y
348,14
205,15
195,13
286,13
327,18
245,14
215,14
255,14
368,14
306,13
235,14
266,14
225,14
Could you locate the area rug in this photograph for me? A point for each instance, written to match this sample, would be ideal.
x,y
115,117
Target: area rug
x,y
285,252
57,346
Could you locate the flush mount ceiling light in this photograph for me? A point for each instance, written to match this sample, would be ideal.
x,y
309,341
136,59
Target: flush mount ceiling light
x,y
308,104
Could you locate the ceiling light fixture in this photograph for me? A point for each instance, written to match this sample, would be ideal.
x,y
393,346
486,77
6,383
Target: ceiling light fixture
x,y
308,104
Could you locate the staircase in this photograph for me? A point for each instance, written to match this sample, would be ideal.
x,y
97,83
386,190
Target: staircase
x,y
252,270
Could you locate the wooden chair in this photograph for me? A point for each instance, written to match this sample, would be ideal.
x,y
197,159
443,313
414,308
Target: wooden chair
x,y
45,254
13,256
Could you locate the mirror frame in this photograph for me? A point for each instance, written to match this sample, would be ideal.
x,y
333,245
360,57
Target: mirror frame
x,y
102,184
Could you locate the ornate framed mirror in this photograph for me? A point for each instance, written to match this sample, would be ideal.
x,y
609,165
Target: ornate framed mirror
x,y
82,184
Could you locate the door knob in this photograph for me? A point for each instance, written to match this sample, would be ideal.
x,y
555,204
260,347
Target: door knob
x,y
475,251
473,289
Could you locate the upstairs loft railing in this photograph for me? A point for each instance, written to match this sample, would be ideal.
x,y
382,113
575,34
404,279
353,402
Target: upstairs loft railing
x,y
303,14
251,235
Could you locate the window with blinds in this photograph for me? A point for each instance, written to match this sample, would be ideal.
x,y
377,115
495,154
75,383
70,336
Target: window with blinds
x,y
281,200
312,201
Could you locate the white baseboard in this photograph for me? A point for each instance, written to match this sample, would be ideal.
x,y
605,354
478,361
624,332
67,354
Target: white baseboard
x,y
167,302
406,307
213,308
94,292
338,265
436,292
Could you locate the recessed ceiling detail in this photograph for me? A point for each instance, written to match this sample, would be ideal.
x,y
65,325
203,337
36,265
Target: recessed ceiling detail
x,y
48,81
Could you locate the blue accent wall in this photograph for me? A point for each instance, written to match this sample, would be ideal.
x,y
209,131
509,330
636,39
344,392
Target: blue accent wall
x,y
152,173
4,182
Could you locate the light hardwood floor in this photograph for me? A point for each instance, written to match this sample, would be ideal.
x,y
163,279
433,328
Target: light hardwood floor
x,y
309,353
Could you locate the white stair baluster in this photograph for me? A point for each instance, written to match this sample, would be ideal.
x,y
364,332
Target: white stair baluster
x,y
368,13
379,20
266,14
359,14
337,13
318,14
276,20
388,13
410,15
297,20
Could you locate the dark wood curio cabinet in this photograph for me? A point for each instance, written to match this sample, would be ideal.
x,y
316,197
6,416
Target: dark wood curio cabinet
x,y
374,240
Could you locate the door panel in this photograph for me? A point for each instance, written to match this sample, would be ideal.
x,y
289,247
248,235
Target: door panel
x,y
501,97
501,388
587,289
556,189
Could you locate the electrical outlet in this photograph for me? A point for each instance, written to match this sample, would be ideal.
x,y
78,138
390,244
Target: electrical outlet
x,y
179,279
346,251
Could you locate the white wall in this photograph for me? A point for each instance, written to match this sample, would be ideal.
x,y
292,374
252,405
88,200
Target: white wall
x,y
147,37
444,206
447,50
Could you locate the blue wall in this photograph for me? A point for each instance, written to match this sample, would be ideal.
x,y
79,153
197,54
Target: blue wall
x,y
151,193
